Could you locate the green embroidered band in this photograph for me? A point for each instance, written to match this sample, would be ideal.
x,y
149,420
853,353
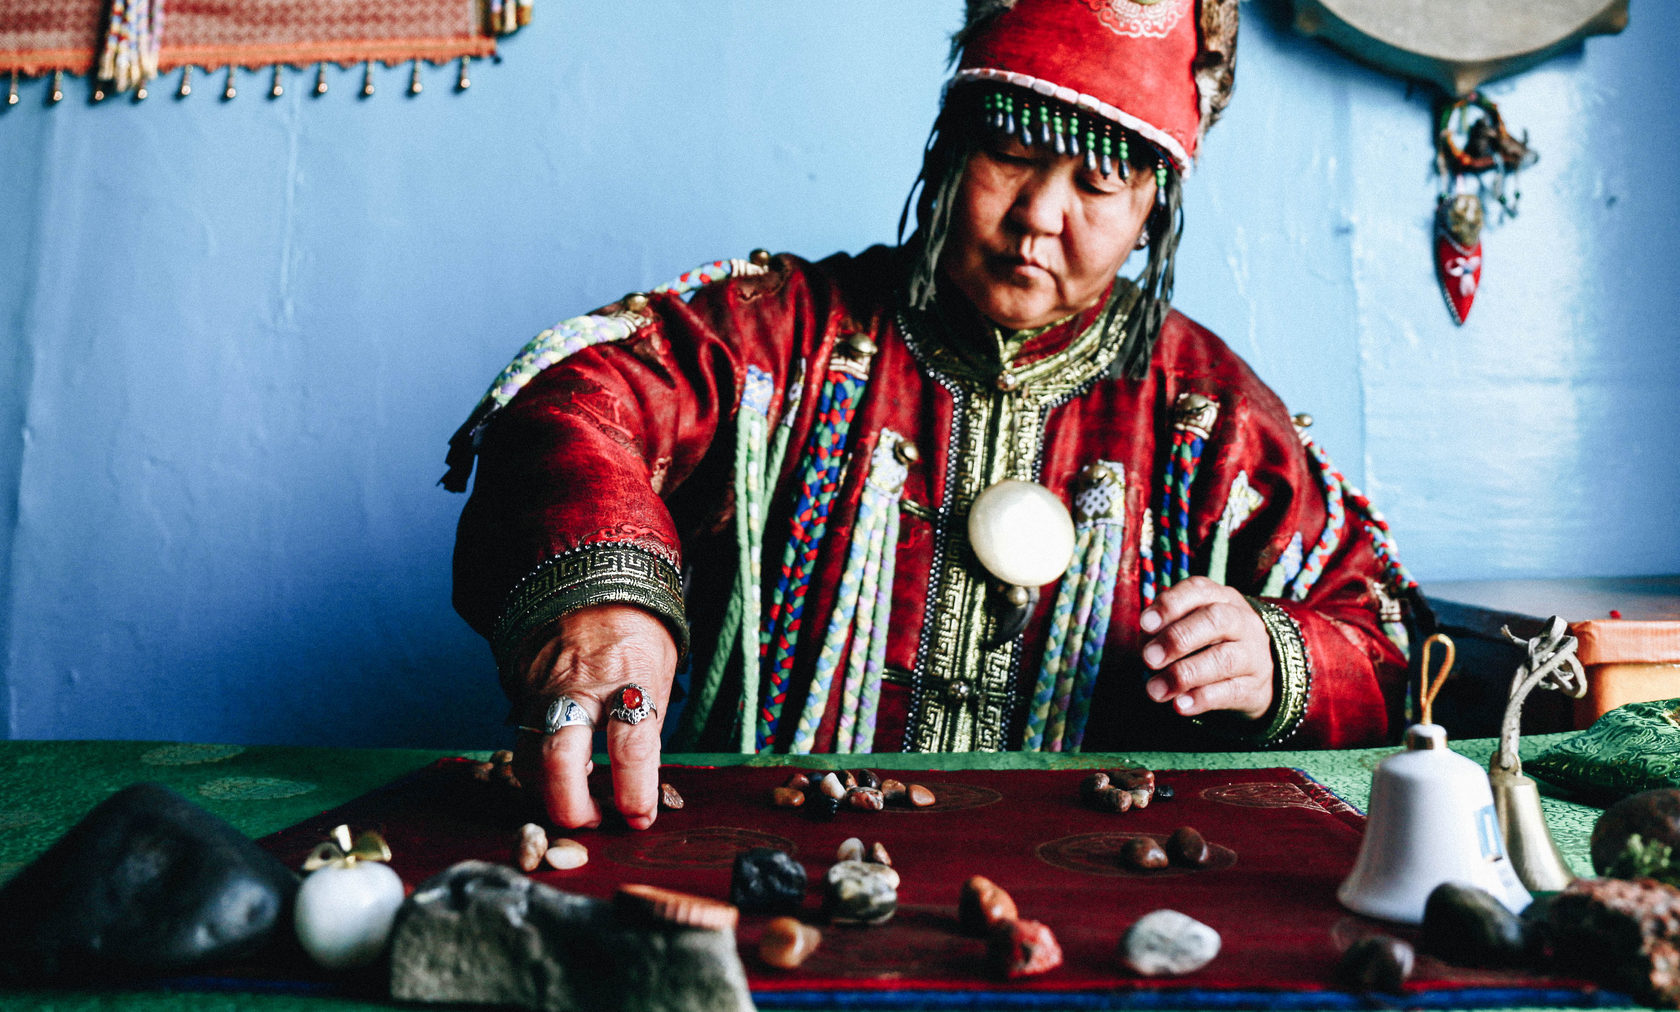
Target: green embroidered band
x,y
593,574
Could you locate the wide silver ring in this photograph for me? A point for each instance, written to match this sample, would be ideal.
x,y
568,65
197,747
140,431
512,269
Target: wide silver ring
x,y
631,705
563,711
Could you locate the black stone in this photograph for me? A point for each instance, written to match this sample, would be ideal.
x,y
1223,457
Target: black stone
x,y
485,935
146,882
1164,792
820,806
767,881
1376,963
1469,927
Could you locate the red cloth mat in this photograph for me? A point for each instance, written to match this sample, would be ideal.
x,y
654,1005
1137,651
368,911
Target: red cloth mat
x,y
1282,844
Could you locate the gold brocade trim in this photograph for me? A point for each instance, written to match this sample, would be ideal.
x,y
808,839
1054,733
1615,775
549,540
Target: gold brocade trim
x,y
1294,671
963,694
593,574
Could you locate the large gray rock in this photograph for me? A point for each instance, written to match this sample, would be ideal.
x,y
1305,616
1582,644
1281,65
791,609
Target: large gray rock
x,y
485,934
147,882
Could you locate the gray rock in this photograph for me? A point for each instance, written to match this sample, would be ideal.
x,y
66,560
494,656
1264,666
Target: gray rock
x,y
485,934
860,892
147,882
767,880
1168,943
1469,927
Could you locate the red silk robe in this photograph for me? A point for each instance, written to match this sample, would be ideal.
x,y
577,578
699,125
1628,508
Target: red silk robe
x,y
611,470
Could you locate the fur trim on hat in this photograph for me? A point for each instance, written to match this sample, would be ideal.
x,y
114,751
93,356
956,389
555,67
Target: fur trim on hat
x,y
1216,59
980,14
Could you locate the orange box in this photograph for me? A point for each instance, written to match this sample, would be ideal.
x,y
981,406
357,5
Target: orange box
x,y
1626,662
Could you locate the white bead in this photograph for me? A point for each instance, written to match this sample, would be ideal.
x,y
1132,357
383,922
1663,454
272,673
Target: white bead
x,y
343,915
1021,533
567,854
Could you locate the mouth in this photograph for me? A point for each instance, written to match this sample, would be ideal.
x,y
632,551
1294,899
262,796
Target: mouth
x,y
1017,267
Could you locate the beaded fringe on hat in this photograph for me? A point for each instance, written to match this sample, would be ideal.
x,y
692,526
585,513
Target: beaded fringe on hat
x,y
560,342
862,607
819,481
1080,616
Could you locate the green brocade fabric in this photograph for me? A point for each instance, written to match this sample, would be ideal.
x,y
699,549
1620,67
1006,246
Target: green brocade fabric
x,y
1633,748
47,786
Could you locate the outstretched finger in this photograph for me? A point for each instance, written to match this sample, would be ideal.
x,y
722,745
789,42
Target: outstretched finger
x,y
634,749
559,765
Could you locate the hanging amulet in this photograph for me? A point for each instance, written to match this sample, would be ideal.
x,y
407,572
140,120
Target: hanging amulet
x,y
1458,251
1195,413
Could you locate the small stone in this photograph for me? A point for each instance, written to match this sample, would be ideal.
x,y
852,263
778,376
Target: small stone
x,y
501,757
1111,799
1186,847
505,775
566,855
667,906
767,881
1140,796
1164,792
920,797
867,778
821,807
1143,853
865,799
857,892
1168,943
831,786
982,905
878,854
848,780
1375,963
533,844
481,772
787,797
798,782
788,943
1468,926
344,912
1022,948
1094,781
1133,777
669,798
850,849
893,791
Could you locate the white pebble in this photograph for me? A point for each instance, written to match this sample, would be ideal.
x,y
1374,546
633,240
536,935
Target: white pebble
x,y
567,854
850,850
533,843
1167,942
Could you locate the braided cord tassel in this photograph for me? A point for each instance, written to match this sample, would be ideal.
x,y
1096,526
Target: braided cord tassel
x,y
1055,647
1163,515
864,544
1284,570
875,664
1110,538
1240,504
820,479
1085,596
1193,418
1335,523
862,626
1146,556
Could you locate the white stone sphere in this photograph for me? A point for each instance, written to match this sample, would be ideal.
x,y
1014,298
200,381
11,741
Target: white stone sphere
x,y
343,914
1021,533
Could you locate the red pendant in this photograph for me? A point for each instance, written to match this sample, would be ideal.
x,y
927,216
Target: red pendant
x,y
1458,252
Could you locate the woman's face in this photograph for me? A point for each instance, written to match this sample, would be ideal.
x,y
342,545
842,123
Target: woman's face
x,y
1036,236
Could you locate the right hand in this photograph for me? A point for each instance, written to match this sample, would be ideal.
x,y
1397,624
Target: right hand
x,y
593,653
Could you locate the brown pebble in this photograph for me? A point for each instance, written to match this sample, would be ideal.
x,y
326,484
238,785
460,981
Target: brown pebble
x,y
848,779
1111,799
878,854
1022,948
1136,776
671,907
920,797
505,774
983,904
1094,781
1143,853
1140,796
501,757
1187,847
532,845
867,778
893,791
669,798
787,797
787,942
798,782
481,772
865,799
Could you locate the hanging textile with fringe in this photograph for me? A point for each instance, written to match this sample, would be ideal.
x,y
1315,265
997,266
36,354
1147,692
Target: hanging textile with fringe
x,y
857,630
1080,616
819,480
126,42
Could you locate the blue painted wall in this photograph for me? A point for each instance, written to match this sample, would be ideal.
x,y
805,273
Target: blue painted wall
x,y
237,334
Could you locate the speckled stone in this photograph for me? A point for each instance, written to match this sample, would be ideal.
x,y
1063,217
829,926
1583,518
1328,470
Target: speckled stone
x,y
1168,943
1022,949
860,892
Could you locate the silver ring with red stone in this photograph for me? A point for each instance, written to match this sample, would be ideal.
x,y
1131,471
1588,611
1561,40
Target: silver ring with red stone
x,y
632,705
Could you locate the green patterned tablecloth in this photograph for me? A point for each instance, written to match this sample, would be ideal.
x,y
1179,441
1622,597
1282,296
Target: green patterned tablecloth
x,y
45,787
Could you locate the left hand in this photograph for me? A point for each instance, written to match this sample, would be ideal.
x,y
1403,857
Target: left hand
x,y
1210,649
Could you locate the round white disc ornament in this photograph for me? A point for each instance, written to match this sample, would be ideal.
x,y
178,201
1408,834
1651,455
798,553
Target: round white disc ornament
x,y
1021,533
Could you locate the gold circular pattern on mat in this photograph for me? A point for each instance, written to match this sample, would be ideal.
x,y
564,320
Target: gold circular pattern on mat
x,y
189,755
710,847
947,797
253,789
1262,795
1099,854
17,818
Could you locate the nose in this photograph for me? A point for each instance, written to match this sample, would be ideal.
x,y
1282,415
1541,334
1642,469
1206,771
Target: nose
x,y
1040,205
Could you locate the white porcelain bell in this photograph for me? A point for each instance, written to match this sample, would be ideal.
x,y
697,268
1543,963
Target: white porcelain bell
x,y
1021,533
1431,820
